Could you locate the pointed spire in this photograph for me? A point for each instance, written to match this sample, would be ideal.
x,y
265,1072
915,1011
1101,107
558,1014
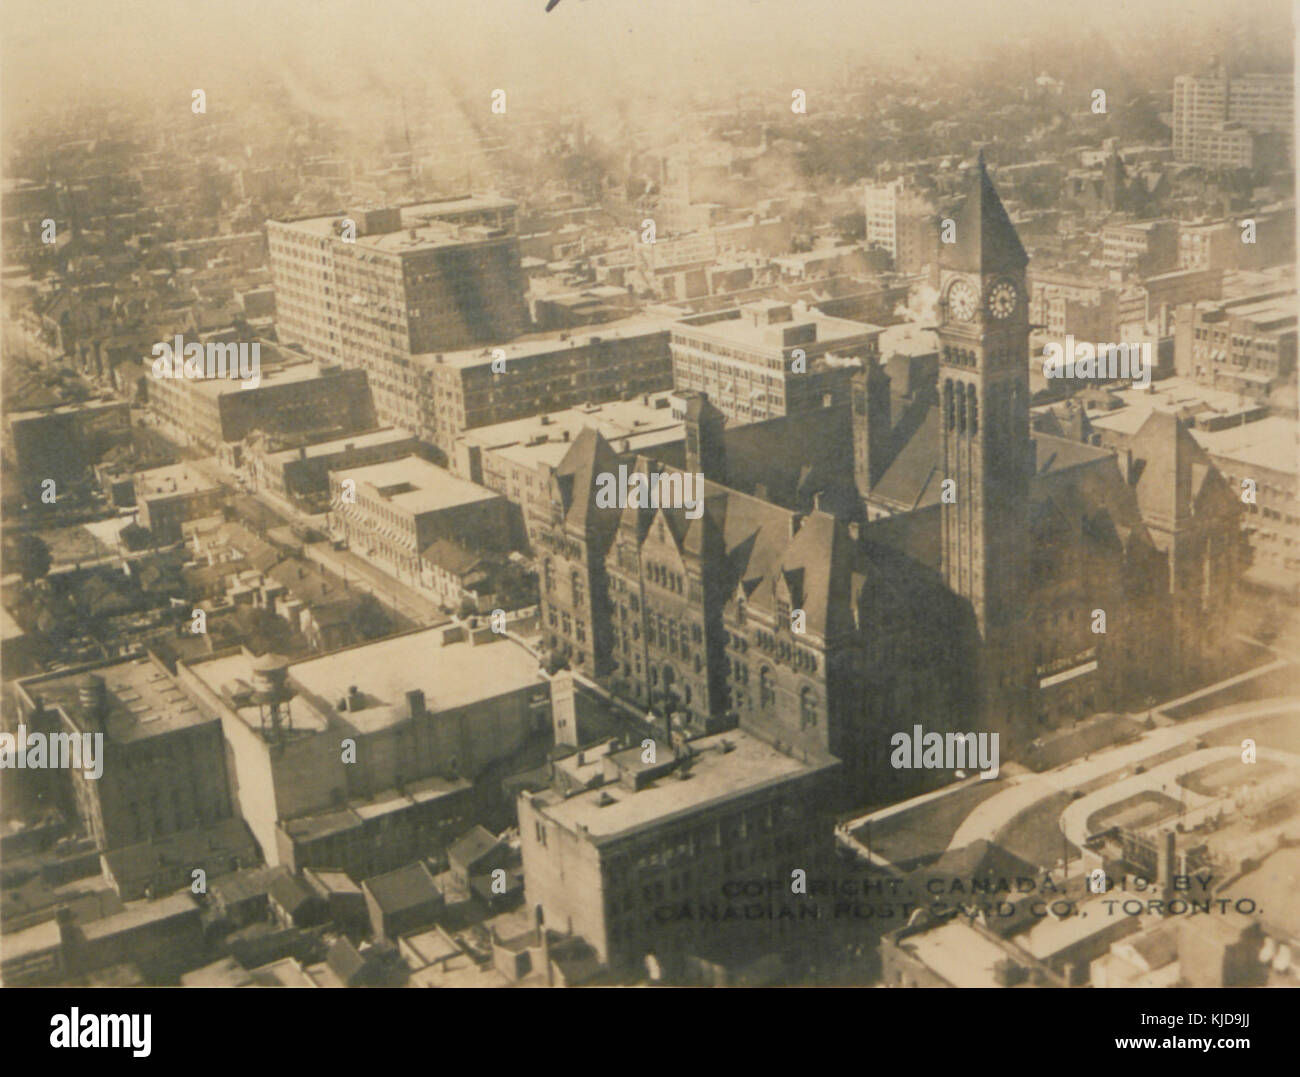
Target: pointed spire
x,y
986,238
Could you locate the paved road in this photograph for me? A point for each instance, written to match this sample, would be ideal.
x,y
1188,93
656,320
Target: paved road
x,y
1074,820
1025,790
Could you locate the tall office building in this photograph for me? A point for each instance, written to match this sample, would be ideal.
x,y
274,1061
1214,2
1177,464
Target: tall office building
x,y
1216,117
901,221
372,288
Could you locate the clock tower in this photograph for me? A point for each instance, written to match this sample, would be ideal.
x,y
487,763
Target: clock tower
x,y
988,456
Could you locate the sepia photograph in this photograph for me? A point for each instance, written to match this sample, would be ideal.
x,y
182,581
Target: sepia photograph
x,y
605,493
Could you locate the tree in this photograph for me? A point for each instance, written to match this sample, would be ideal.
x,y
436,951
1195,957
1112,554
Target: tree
x,y
370,618
33,556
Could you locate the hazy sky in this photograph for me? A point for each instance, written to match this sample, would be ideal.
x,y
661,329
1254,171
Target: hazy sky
x,y
59,48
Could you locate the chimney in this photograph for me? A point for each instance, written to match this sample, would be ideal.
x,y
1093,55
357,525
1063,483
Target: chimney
x,y
415,701
546,947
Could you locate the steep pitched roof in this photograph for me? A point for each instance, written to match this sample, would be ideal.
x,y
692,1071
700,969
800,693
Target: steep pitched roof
x,y
576,475
1173,467
986,238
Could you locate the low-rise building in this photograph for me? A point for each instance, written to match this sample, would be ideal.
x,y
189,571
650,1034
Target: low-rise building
x,y
646,857
391,512
168,497
363,759
301,472
163,766
62,441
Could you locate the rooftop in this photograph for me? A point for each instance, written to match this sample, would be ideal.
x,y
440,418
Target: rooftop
x,y
758,325
384,436
143,701
541,438
535,344
715,776
173,480
1272,443
416,486
451,675
958,953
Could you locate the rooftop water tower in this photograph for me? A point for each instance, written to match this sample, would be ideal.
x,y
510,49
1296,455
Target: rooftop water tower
x,y
271,693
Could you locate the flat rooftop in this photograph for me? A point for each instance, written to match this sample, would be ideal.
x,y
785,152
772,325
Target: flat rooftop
x,y
1180,396
560,340
416,486
451,675
737,327
67,409
387,435
908,338
173,480
715,776
1272,442
270,376
143,700
541,438
958,953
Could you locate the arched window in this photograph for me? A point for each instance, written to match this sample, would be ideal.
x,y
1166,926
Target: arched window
x,y
807,708
766,692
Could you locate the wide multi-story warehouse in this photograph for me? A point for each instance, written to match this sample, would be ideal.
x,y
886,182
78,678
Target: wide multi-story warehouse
x,y
365,759
61,442
668,857
162,767
296,398
1143,247
372,288
392,512
518,458
1245,345
476,388
768,359
302,471
1267,453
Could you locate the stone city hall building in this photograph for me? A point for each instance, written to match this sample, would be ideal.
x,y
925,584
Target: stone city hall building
x,y
785,610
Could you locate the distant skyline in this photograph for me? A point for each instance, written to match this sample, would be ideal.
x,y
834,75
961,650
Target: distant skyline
x,y
592,52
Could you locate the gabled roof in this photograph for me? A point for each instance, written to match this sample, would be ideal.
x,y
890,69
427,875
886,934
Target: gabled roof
x,y
406,888
912,480
589,456
986,238
1174,468
472,846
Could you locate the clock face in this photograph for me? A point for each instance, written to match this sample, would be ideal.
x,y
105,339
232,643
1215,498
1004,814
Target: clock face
x,y
1002,299
961,301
